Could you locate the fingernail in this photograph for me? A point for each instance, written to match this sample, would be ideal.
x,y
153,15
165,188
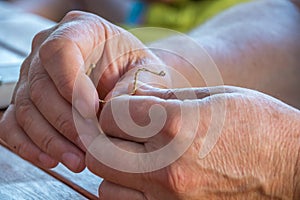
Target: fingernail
x,y
71,160
46,160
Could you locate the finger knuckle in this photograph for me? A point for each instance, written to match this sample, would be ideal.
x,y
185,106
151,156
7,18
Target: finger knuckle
x,y
37,85
169,94
57,43
74,14
25,66
56,48
22,150
64,124
65,86
49,48
4,131
177,180
47,142
38,39
23,114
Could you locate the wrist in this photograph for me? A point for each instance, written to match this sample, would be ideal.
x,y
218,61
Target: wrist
x,y
281,175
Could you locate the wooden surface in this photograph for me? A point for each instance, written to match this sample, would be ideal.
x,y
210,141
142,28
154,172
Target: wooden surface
x,y
21,180
18,178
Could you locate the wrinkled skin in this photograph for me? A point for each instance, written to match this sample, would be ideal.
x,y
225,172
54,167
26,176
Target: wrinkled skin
x,y
38,125
255,156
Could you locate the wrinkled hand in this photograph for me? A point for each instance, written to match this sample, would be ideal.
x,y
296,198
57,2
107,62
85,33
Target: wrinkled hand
x,y
38,125
244,145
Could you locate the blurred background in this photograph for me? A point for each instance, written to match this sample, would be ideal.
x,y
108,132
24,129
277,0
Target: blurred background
x,y
20,20
181,15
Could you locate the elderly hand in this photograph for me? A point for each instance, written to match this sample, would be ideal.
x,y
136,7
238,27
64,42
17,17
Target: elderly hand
x,y
38,124
215,144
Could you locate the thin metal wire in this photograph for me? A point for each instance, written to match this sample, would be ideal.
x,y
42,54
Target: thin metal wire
x,y
161,73
135,81
90,69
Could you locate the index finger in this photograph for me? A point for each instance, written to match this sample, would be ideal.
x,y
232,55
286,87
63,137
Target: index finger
x,y
65,56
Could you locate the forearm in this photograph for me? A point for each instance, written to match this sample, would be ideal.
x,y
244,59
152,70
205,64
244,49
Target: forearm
x,y
254,45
